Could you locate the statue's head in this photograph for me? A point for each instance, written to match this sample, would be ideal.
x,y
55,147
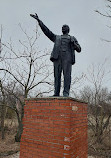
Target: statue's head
x,y
65,29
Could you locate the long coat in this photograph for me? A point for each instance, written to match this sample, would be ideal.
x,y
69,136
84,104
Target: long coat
x,y
57,43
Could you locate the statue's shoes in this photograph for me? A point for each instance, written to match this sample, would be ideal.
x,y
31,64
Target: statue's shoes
x,y
65,95
55,95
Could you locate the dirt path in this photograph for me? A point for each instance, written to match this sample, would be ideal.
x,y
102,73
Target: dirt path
x,y
17,156
12,156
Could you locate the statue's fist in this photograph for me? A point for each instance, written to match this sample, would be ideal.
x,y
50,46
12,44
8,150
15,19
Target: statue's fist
x,y
35,16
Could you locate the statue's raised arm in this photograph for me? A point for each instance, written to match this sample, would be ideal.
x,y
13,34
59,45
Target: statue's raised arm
x,y
44,28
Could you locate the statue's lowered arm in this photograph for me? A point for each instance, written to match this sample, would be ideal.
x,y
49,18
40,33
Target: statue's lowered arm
x,y
77,47
44,28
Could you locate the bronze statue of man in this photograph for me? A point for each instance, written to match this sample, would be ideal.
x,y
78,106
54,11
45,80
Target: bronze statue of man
x,y
63,55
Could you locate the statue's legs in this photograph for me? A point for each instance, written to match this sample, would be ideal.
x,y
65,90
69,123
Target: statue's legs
x,y
57,77
67,68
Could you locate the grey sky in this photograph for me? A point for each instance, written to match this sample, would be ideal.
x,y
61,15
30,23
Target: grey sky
x,y
86,25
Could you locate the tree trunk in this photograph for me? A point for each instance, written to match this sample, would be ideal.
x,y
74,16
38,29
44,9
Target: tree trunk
x,y
3,121
20,126
19,132
3,111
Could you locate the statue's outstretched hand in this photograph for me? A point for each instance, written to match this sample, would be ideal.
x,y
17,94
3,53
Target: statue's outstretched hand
x,y
35,16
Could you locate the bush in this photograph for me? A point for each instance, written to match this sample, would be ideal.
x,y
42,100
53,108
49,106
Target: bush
x,y
10,113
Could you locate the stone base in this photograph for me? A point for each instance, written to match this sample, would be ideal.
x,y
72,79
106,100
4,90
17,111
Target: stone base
x,y
54,127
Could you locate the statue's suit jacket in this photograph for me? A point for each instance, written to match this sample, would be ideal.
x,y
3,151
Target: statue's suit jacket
x,y
57,43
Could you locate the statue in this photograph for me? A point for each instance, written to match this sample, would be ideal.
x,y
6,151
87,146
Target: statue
x,y
62,56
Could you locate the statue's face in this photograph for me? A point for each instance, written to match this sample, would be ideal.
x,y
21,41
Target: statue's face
x,y
65,29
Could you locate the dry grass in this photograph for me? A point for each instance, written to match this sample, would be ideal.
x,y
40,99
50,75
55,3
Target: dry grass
x,y
99,150
8,145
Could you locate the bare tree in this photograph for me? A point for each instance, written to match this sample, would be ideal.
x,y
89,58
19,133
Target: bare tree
x,y
106,14
3,96
97,97
27,68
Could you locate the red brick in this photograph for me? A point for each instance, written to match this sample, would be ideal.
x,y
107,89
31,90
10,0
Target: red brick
x,y
54,128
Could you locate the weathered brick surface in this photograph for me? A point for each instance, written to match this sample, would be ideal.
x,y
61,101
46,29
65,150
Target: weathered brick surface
x,y
54,128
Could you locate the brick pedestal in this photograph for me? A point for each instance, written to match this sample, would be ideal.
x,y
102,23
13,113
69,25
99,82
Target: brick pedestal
x,y
54,128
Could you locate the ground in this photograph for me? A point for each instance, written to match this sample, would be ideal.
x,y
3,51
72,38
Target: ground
x,y
17,156
12,156
8,145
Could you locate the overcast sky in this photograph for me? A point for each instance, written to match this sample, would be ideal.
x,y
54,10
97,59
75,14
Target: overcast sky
x,y
85,24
